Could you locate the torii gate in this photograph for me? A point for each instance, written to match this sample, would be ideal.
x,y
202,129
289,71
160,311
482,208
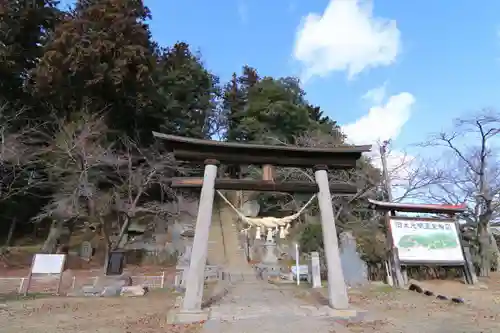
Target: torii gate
x,y
236,154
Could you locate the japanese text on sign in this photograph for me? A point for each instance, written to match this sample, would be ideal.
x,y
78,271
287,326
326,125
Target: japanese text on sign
x,y
423,225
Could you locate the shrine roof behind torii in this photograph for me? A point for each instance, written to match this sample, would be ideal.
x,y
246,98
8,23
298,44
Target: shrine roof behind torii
x,y
189,149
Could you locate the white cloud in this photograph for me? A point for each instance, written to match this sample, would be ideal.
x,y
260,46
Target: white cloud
x,y
382,122
376,95
346,37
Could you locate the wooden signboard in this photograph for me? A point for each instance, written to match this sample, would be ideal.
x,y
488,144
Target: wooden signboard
x,y
421,241
47,264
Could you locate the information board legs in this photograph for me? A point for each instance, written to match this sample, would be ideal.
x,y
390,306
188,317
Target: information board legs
x,y
30,274
469,271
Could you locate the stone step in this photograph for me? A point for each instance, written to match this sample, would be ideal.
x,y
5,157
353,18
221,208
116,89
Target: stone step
x,y
216,251
236,257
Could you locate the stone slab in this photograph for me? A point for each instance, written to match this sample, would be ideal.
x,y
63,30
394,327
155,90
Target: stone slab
x,y
111,291
177,316
178,301
131,291
116,281
345,314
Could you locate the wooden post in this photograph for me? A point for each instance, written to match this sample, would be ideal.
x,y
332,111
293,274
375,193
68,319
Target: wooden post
x,y
470,276
59,282
30,276
397,275
268,172
469,270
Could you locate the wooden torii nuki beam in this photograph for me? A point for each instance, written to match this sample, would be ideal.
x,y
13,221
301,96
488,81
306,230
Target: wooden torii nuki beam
x,y
263,185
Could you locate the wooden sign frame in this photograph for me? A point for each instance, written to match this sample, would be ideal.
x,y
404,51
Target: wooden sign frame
x,y
59,282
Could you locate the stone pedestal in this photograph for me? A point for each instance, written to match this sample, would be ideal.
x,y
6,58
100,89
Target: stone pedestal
x,y
269,265
270,257
177,316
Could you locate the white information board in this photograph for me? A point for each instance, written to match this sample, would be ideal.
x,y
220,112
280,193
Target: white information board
x,y
48,263
303,270
426,241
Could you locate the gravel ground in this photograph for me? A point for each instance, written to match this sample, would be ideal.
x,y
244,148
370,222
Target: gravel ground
x,y
89,315
391,311
271,308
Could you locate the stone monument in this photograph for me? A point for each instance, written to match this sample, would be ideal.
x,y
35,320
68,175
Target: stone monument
x,y
315,270
354,268
183,264
86,251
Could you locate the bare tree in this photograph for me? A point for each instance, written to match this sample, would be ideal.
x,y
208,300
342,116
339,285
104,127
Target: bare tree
x,y
406,173
100,183
75,158
18,160
469,172
16,156
138,170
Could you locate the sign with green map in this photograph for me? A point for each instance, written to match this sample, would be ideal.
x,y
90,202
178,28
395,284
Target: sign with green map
x,y
425,241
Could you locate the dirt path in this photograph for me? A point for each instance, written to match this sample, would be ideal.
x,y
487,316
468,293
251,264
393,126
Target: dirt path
x,y
260,307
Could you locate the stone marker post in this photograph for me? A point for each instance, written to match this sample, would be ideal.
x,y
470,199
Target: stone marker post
x,y
195,277
315,270
337,291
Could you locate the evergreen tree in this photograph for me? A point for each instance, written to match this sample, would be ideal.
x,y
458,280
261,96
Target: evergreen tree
x,y
24,29
187,93
100,58
233,106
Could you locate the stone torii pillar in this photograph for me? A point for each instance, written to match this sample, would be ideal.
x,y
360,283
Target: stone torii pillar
x,y
337,291
195,278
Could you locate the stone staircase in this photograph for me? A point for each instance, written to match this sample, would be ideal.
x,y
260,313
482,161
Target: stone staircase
x,y
235,253
224,248
216,253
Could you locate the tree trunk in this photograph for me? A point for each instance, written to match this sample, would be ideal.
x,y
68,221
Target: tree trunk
x,y
484,250
107,243
495,250
11,232
52,239
123,232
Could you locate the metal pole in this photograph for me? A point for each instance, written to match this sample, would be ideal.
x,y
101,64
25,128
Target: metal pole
x,y
297,262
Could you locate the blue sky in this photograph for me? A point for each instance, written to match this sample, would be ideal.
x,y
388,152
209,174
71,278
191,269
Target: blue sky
x,y
431,60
